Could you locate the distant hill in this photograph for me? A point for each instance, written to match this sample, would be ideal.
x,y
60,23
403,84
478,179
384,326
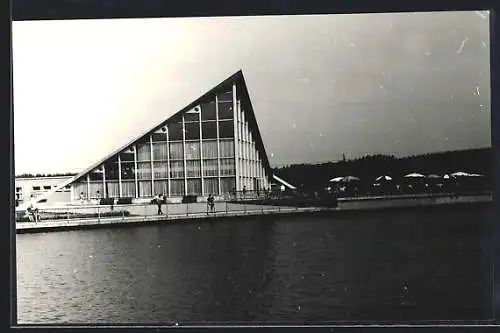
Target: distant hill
x,y
369,167
30,175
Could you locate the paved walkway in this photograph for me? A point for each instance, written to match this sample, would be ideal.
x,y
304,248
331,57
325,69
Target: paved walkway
x,y
196,211
179,216
152,210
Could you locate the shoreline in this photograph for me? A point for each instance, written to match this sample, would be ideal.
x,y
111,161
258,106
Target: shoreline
x,y
344,207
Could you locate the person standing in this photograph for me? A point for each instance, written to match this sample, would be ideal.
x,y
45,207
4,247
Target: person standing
x,y
158,203
33,209
210,204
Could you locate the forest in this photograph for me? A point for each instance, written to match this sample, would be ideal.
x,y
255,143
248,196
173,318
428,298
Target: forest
x,y
369,167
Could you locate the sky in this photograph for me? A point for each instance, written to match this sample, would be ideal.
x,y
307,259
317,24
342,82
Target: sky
x,y
321,85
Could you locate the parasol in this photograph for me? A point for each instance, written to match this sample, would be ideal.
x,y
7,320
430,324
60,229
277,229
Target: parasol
x,y
336,179
381,178
460,174
350,179
414,175
476,175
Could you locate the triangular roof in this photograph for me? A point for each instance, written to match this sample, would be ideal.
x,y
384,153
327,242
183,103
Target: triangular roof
x,y
249,114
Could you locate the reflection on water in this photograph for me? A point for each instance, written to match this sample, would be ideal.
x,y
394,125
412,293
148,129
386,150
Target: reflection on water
x,y
395,266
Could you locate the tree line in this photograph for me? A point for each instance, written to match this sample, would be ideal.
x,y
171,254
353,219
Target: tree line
x,y
369,167
31,175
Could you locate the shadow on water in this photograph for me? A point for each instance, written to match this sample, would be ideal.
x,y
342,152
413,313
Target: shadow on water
x,y
416,264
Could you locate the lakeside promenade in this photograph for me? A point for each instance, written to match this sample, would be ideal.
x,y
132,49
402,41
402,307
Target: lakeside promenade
x,y
94,216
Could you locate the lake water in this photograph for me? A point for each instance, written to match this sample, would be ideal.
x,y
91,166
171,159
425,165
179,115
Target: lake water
x,y
404,265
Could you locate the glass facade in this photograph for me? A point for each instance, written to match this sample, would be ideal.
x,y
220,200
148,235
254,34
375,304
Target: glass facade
x,y
207,150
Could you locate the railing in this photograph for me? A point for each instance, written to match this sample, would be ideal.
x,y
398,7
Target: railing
x,y
362,193
248,195
146,211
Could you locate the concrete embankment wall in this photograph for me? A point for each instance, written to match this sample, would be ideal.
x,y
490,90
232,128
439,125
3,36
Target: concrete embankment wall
x,y
398,202
349,205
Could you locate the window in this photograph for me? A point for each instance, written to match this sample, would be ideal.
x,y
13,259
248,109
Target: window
x,y
128,189
161,187
160,151
176,151
226,129
127,156
175,132
210,168
111,167
208,111
19,189
96,174
227,167
194,186
144,170
96,187
145,189
209,130
143,152
160,170
226,96
159,137
191,117
209,149
112,189
192,150
176,169
228,185
36,188
176,187
128,170
226,148
193,168
225,110
192,131
211,186
47,187
81,188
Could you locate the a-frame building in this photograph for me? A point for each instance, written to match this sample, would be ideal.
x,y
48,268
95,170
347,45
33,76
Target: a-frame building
x,y
212,146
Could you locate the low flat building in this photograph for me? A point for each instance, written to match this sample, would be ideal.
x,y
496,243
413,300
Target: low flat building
x,y
28,187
